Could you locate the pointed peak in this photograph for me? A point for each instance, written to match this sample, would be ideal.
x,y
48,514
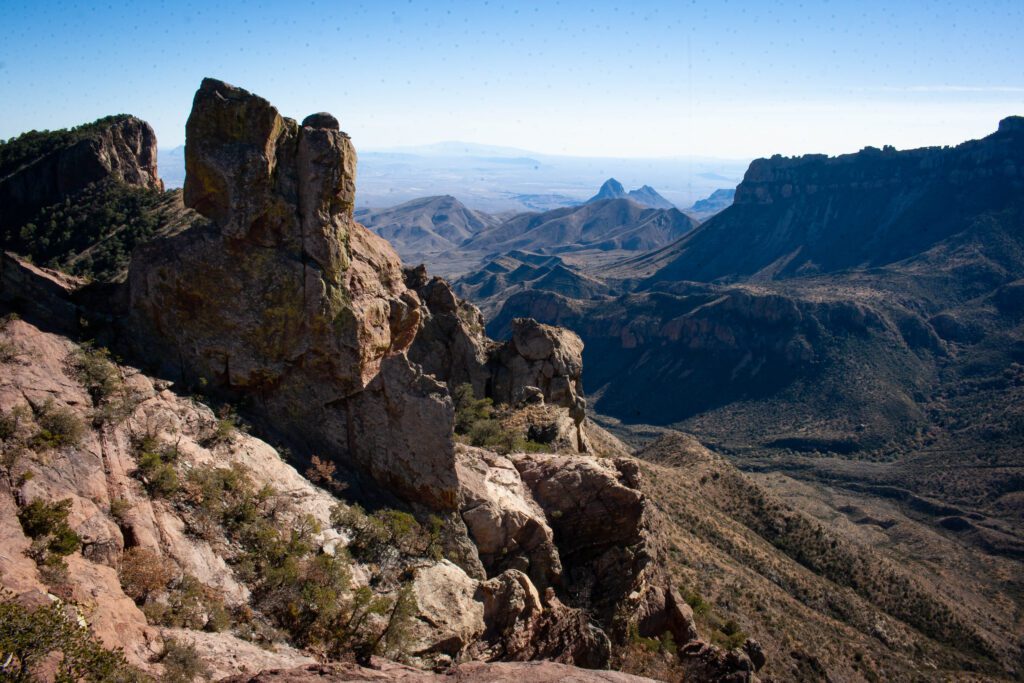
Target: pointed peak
x,y
611,189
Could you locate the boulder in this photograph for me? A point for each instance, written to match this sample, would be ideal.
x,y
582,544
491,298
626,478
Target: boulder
x,y
703,661
523,626
507,526
449,619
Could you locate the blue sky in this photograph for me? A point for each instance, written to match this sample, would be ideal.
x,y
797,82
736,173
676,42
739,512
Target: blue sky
x,y
725,79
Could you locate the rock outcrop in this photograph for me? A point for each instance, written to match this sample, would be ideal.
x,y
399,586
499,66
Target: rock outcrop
x,y
600,524
122,148
286,299
538,360
507,526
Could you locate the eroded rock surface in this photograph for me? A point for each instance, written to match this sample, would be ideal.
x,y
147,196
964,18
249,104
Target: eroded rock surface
x,y
506,524
287,299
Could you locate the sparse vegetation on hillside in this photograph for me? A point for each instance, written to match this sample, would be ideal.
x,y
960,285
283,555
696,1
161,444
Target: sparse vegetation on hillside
x,y
53,539
181,663
31,145
748,564
296,588
846,565
93,233
58,427
387,535
29,637
156,466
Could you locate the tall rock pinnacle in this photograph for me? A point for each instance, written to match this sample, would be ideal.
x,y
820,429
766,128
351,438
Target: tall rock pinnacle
x,y
285,300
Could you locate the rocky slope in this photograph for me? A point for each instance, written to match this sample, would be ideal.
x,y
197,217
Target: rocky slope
x,y
274,302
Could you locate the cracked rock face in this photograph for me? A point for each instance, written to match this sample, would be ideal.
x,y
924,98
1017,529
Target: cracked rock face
x,y
600,525
283,298
507,526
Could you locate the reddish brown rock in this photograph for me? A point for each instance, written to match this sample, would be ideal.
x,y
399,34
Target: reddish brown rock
x,y
286,299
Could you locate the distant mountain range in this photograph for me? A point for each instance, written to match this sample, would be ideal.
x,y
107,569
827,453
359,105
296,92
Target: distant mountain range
x,y
453,239
499,179
719,200
604,225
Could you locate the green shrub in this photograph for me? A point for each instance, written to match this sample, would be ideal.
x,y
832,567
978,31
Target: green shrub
x,y
729,636
29,636
188,603
696,602
156,467
225,429
12,441
469,409
9,351
11,422
95,371
477,424
47,525
59,427
387,535
486,432
118,508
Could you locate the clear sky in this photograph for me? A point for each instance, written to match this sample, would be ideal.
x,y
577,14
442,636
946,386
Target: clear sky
x,y
726,79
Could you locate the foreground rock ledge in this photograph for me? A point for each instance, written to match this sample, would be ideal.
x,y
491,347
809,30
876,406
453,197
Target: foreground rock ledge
x,y
471,672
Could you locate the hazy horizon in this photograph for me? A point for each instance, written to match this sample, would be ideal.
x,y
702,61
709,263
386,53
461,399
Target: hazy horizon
x,y
645,80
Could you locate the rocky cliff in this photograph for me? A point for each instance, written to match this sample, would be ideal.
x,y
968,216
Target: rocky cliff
x,y
118,147
277,302
285,297
815,214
